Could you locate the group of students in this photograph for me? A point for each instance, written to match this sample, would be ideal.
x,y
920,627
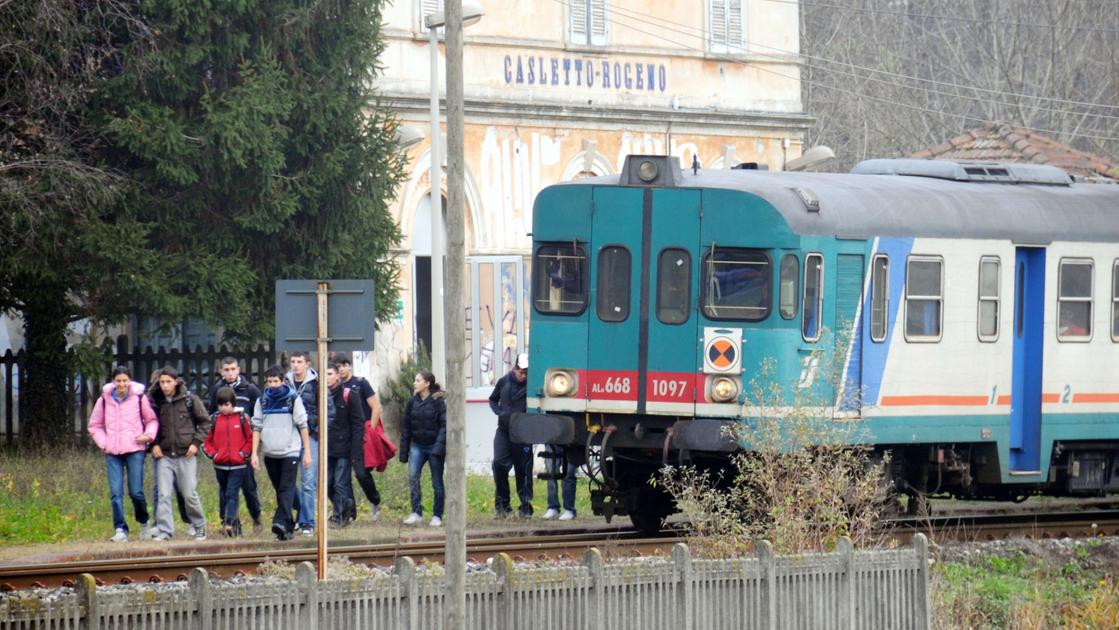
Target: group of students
x,y
278,429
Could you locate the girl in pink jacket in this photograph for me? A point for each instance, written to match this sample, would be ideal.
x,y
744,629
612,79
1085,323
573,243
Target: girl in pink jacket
x,y
122,424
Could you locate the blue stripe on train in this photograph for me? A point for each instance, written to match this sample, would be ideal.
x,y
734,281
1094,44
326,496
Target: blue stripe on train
x,y
876,352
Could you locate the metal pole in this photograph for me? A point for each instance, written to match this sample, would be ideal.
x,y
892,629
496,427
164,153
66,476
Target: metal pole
x,y
438,345
322,294
455,552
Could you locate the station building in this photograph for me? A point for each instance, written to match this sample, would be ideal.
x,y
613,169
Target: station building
x,y
557,90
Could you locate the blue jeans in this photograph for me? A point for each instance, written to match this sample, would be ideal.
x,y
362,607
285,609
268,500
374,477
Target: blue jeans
x,y
341,488
309,486
568,481
417,456
230,482
117,465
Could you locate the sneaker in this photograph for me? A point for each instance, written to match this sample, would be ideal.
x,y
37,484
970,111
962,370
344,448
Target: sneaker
x,y
199,533
526,511
502,513
162,537
436,522
307,530
148,532
413,519
257,525
191,530
376,513
120,535
567,515
550,514
279,532
227,530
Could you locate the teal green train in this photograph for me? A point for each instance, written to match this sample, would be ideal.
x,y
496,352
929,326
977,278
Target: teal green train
x,y
964,315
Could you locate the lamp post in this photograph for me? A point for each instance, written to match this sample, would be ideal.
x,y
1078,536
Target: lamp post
x,y
471,13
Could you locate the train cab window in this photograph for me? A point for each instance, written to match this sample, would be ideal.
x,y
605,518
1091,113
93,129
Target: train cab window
x,y
988,298
924,298
1074,300
612,292
879,297
559,283
1115,301
736,284
790,286
813,296
674,285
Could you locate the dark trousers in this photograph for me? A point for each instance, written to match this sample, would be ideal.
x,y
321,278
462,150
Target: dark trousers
x,y
282,472
230,482
368,486
340,488
518,457
252,497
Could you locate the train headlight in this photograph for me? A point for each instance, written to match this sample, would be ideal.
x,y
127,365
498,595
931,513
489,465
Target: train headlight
x,y
647,170
723,389
560,383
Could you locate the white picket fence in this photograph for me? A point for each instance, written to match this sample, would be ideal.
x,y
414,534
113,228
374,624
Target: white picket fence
x,y
847,589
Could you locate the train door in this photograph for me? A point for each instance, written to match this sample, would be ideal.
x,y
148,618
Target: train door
x,y
848,331
1025,394
613,345
669,319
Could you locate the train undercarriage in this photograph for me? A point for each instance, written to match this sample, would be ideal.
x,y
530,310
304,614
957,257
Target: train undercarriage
x,y
620,454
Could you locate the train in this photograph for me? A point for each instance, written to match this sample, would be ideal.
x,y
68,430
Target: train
x,y
979,304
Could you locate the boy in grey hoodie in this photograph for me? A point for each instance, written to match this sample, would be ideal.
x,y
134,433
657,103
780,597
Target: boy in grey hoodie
x,y
280,435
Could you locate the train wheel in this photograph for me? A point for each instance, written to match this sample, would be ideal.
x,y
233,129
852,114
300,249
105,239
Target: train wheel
x,y
646,522
648,509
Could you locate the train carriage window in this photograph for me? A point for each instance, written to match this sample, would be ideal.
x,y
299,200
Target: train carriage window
x,y
674,285
924,298
1074,300
1115,301
988,322
612,293
879,297
790,286
813,296
736,284
559,283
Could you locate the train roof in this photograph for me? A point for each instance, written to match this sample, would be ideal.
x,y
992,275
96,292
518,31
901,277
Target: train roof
x,y
867,204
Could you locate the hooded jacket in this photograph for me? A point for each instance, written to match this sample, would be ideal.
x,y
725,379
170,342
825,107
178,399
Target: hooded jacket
x,y
278,418
114,426
180,425
308,390
230,442
243,388
508,397
425,423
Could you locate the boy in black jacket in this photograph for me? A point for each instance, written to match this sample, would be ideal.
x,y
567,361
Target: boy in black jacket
x,y
344,434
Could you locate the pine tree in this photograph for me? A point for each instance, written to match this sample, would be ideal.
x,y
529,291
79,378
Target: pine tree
x,y
226,143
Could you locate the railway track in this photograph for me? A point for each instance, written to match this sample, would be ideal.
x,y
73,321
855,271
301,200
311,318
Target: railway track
x,y
539,545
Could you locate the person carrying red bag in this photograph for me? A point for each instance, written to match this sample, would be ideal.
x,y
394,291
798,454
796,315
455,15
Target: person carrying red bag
x,y
375,459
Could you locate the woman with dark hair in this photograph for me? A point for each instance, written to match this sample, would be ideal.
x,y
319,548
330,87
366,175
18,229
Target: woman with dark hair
x,y
423,439
122,425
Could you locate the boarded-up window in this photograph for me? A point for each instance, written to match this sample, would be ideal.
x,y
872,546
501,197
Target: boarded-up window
x,y
588,21
726,31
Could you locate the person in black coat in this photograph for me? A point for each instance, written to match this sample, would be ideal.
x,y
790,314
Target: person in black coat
x,y
423,439
508,397
247,393
346,429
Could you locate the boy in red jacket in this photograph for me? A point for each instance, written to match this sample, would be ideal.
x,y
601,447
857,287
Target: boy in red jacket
x,y
229,444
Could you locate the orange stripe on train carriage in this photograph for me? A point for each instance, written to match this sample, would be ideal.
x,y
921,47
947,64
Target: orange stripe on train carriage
x,y
935,400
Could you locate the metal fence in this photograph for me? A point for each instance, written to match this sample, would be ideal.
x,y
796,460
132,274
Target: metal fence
x,y
846,589
199,368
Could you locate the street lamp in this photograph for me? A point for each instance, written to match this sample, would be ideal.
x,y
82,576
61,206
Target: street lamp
x,y
471,13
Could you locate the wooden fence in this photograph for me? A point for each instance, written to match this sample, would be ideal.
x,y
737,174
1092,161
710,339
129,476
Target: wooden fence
x,y
848,589
199,368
